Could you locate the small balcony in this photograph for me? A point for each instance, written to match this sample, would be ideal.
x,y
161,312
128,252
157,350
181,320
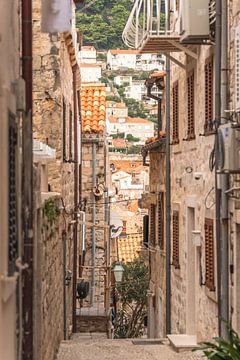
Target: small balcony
x,y
146,28
191,23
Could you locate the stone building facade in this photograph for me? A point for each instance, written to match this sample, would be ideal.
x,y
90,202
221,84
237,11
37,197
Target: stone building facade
x,y
56,86
10,183
195,271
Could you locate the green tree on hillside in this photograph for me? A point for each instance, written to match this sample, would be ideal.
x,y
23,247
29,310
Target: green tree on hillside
x,y
103,22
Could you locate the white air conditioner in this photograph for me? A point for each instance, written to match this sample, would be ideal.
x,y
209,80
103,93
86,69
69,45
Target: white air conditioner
x,y
194,24
230,144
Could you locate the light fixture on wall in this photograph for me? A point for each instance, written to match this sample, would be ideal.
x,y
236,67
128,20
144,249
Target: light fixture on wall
x,y
118,271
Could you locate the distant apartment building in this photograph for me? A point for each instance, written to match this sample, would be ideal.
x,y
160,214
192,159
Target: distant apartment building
x,y
138,127
137,90
87,55
122,79
116,109
117,59
90,72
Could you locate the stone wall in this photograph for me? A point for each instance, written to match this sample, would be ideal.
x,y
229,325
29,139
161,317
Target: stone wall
x,y
100,231
193,306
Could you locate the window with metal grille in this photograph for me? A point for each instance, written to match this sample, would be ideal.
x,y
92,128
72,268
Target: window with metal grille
x,y
64,132
209,255
175,236
70,134
153,224
190,107
175,107
208,125
161,220
12,196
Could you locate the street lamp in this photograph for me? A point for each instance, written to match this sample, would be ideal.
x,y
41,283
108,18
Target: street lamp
x,y
118,272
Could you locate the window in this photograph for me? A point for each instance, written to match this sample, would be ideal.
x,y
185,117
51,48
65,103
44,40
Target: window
x,y
161,220
12,196
209,255
175,236
152,224
175,106
208,126
190,106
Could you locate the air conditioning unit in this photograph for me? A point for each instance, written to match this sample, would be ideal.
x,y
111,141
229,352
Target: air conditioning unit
x,y
194,22
229,144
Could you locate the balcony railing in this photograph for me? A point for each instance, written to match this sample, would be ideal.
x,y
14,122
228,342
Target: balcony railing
x,y
147,19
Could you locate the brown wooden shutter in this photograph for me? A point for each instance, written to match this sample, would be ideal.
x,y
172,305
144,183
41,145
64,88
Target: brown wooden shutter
x,y
175,107
209,254
190,107
64,132
175,235
161,220
152,224
208,70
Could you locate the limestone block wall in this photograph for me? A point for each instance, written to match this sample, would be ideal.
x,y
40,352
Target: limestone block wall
x,y
194,308
100,258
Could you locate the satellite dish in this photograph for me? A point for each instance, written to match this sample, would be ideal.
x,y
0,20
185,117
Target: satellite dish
x,y
116,224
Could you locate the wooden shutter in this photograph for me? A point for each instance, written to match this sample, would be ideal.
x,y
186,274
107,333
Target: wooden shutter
x,y
190,107
208,70
161,220
64,131
209,254
175,107
12,196
175,236
152,224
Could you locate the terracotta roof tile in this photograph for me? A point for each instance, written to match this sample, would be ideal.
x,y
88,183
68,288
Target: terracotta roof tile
x,y
119,51
114,104
129,247
93,108
119,143
128,120
158,74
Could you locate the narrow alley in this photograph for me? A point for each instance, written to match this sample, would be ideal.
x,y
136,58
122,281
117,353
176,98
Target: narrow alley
x,y
96,347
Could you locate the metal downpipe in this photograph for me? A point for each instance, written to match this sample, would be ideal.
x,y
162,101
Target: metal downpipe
x,y
94,151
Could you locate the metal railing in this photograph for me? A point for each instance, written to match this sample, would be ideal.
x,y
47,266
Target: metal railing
x,y
147,18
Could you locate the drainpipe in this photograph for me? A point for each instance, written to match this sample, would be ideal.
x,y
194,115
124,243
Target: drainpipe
x,y
27,184
94,151
224,181
64,240
168,189
217,176
76,199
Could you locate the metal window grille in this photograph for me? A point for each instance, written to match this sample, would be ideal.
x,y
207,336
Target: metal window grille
x,y
209,254
64,131
12,196
152,224
70,134
190,107
175,235
161,220
208,126
175,107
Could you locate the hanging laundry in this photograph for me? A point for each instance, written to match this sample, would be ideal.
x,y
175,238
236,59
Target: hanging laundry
x,y
56,16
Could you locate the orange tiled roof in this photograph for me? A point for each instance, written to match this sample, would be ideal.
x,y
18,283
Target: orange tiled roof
x,y
87,48
89,65
118,51
158,74
119,143
128,120
93,109
127,166
129,247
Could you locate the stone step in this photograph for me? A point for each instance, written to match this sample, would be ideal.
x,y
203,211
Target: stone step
x,y
182,342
